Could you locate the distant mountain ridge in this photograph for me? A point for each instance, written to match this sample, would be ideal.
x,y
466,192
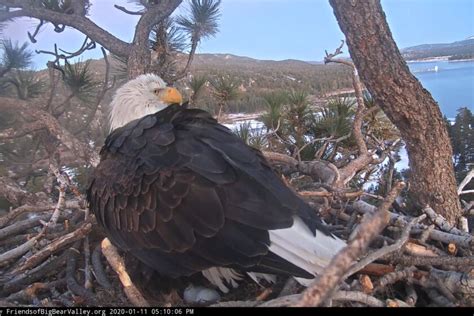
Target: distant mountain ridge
x,y
457,50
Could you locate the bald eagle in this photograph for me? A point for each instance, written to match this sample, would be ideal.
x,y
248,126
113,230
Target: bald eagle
x,y
184,194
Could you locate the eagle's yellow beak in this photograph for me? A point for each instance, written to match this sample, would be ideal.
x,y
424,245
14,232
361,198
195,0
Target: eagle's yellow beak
x,y
171,96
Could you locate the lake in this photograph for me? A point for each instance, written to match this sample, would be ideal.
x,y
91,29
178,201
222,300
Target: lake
x,y
450,83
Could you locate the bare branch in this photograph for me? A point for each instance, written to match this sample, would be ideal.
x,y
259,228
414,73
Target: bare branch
x,y
79,22
353,296
86,45
98,268
432,261
140,55
385,250
441,222
67,239
13,193
4,220
33,36
123,9
81,149
117,263
333,274
325,171
465,181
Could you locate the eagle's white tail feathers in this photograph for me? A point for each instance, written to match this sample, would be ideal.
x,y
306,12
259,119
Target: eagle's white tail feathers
x,y
296,244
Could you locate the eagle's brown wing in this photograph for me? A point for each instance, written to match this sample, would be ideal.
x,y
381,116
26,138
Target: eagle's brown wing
x,y
183,193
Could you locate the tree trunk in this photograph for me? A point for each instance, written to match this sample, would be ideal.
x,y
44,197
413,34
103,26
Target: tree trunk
x,y
404,100
138,61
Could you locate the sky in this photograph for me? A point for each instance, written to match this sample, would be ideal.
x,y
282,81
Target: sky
x,y
275,29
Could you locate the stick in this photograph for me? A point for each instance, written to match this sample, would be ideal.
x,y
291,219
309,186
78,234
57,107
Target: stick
x,y
441,222
117,263
23,225
98,268
465,240
79,233
4,220
340,264
355,296
432,261
48,267
72,284
385,250
394,277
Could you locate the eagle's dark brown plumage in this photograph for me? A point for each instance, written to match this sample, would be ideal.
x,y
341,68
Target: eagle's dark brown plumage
x,y
182,193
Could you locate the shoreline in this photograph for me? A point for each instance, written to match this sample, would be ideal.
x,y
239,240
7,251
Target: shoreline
x,y
435,59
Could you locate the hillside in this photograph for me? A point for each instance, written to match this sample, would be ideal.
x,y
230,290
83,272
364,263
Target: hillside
x,y
457,50
257,75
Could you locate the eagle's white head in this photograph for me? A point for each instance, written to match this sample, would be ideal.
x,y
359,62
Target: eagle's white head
x,y
146,94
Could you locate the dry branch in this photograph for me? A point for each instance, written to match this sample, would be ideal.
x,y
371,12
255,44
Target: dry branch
x,y
72,284
28,208
432,261
117,263
353,296
333,274
22,226
377,254
465,181
441,222
325,171
14,194
465,240
98,268
57,244
80,149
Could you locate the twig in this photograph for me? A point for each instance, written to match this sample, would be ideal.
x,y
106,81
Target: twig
x,y
32,37
398,219
441,222
354,296
377,254
332,275
20,250
432,261
23,225
117,263
394,277
29,293
50,266
98,268
4,220
463,224
466,180
447,238
87,266
123,9
326,172
456,282
79,233
419,250
86,45
72,284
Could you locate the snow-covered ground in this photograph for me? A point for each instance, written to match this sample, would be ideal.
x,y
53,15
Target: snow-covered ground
x,y
257,126
254,124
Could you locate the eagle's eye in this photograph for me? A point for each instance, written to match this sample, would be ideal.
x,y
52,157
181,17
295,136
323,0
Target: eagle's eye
x,y
158,91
